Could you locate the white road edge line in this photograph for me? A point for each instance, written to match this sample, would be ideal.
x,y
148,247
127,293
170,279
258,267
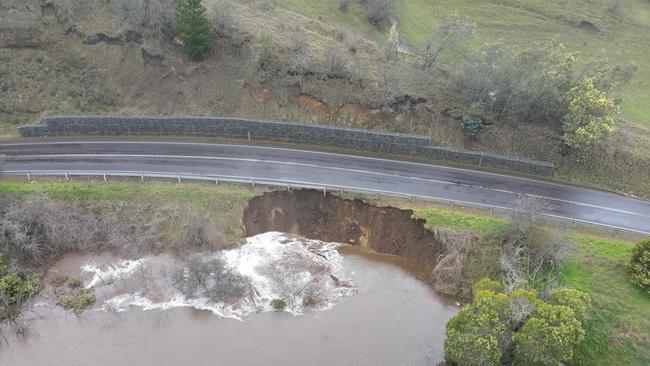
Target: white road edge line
x,y
305,184
300,150
20,157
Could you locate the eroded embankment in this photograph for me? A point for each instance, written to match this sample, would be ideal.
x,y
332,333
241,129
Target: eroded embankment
x,y
331,218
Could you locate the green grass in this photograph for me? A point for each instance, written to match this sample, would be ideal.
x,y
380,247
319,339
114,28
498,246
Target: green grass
x,y
621,310
624,34
438,218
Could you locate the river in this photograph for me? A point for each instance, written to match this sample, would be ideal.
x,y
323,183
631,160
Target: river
x,y
384,315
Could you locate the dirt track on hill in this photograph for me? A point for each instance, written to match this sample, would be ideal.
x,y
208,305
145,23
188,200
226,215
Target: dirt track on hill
x,y
306,212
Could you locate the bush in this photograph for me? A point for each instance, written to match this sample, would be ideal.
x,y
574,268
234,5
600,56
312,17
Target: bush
x,y
335,65
77,298
278,304
210,278
15,287
638,267
379,12
590,118
549,337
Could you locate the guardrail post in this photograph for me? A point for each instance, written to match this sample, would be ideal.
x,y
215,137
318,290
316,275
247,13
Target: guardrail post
x,y
104,176
324,191
574,225
249,135
413,200
142,178
491,210
289,187
179,179
29,177
452,204
66,176
216,181
253,183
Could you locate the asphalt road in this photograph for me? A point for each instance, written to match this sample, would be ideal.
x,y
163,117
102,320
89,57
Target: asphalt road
x,y
312,167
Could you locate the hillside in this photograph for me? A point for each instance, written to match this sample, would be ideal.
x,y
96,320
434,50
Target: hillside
x,y
119,56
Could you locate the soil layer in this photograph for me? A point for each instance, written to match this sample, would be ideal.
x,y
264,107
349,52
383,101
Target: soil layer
x,y
330,218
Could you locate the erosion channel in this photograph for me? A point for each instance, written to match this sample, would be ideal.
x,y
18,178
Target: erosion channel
x,y
352,278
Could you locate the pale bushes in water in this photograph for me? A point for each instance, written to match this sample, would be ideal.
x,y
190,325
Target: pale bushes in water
x,y
208,276
294,285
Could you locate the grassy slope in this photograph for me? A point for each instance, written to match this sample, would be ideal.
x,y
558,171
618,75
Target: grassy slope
x,y
624,35
620,324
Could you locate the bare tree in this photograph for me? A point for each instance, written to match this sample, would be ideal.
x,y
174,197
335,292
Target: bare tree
x,y
449,272
450,34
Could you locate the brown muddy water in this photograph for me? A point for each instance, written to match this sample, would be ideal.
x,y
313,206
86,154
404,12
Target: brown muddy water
x,y
391,317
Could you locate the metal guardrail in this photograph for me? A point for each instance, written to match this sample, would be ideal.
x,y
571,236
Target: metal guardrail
x,y
289,185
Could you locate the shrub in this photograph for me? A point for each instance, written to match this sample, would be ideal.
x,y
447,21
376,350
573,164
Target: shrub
x,y
77,299
577,301
549,337
379,12
14,287
209,277
475,335
278,304
590,118
335,65
638,267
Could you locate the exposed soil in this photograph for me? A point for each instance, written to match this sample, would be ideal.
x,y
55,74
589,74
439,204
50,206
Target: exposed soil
x,y
331,218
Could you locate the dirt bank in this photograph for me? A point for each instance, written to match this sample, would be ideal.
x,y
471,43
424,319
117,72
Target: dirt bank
x,y
306,212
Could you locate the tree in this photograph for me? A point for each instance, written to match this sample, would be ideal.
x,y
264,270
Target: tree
x,y
475,336
638,267
517,328
548,337
452,32
578,301
194,28
590,118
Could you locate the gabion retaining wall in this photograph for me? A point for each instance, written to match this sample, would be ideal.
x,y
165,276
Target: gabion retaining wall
x,y
416,145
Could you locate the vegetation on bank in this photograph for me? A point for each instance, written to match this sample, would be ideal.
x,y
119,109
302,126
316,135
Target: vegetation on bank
x,y
75,297
617,332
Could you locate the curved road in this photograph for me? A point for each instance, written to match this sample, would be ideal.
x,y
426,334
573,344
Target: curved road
x,y
316,168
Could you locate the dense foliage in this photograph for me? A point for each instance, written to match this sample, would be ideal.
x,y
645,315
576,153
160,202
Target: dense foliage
x,y
639,265
516,328
590,117
193,27
15,287
544,83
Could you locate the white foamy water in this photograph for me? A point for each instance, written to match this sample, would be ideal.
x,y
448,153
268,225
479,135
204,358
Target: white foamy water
x,y
306,274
